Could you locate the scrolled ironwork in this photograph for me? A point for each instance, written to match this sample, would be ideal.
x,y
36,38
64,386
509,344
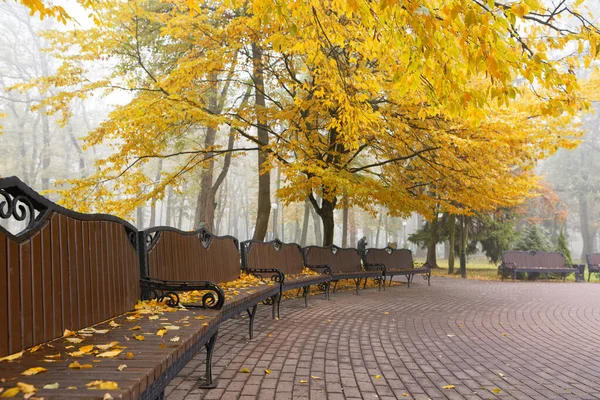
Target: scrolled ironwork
x,y
18,207
205,238
213,299
276,275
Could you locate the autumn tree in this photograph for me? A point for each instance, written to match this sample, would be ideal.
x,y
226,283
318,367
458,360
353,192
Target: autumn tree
x,y
449,112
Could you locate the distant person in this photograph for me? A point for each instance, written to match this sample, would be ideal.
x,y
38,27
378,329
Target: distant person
x,y
362,245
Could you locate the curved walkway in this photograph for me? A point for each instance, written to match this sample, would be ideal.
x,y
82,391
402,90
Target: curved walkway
x,y
489,339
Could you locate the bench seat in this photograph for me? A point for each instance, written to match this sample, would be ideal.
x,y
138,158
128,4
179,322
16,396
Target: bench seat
x,y
154,362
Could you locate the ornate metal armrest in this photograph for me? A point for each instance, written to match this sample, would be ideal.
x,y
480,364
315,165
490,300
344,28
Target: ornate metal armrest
x,y
276,275
375,267
426,265
318,268
509,266
160,289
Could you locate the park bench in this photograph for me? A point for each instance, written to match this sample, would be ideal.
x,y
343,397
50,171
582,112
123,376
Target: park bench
x,y
284,263
395,262
545,262
344,263
593,264
69,283
174,261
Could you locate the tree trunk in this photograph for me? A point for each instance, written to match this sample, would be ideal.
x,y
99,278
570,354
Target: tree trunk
x,y
327,208
276,210
139,218
432,243
464,233
378,229
317,226
170,203
345,222
305,223
451,242
264,179
153,204
205,209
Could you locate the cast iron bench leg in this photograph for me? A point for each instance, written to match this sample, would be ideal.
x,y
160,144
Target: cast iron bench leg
x,y
335,285
327,287
429,279
306,290
514,274
251,314
279,304
408,279
207,382
357,282
378,283
274,301
365,284
391,278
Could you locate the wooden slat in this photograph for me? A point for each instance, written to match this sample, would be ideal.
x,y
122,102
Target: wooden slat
x,y
73,272
37,291
87,273
48,301
3,296
26,294
57,305
14,299
102,273
65,294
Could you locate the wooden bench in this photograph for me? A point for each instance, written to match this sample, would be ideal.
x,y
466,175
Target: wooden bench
x,y
64,272
343,264
546,262
174,261
395,262
593,264
284,263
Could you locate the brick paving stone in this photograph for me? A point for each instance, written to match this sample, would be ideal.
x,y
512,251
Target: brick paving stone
x,y
531,340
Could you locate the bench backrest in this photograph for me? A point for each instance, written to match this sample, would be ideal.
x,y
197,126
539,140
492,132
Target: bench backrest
x,y
391,258
593,259
534,259
287,257
59,269
338,259
176,255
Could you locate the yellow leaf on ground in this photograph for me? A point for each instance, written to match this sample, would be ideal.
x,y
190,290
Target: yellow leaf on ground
x,y
153,317
404,394
68,333
114,324
76,365
267,371
497,390
172,327
72,388
25,388
245,370
52,386
74,340
122,367
111,353
448,387
386,313
102,385
505,334
76,354
199,317
161,332
53,356
107,346
107,396
139,337
135,328
101,330
315,377
175,339
377,376
12,392
129,355
86,349
12,356
205,324
303,381
34,371
35,348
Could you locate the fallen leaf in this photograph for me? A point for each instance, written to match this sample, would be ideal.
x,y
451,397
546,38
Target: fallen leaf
x,y
199,317
70,347
450,335
139,337
245,370
303,381
76,354
86,349
34,371
12,357
102,385
35,348
12,392
162,346
205,324
405,394
153,317
107,396
129,355
111,353
107,346
505,334
114,324
497,390
101,331
74,340
135,328
386,313
161,332
172,327
53,356
267,371
315,377
501,375
328,320
1,389
51,386
25,388
68,333
448,387
76,365
175,339
122,367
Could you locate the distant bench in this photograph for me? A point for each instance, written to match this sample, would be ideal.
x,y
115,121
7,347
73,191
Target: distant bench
x,y
593,264
342,263
544,262
396,262
284,263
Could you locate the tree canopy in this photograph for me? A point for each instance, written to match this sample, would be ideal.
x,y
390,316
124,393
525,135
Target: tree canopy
x,y
420,106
